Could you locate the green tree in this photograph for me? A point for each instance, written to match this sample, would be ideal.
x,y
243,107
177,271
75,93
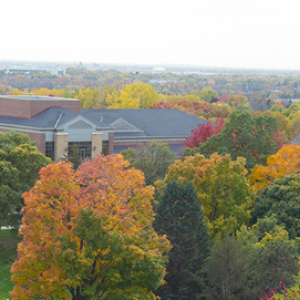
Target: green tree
x,y
274,256
207,94
179,215
153,159
227,271
281,199
20,163
74,156
244,135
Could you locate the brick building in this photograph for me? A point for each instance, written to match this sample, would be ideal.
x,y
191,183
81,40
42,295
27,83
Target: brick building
x,y
55,124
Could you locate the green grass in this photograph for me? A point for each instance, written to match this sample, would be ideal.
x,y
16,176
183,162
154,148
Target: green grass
x,y
8,244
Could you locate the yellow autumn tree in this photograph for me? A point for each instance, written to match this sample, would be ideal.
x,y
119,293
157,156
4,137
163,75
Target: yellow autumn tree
x,y
222,188
238,100
285,162
135,95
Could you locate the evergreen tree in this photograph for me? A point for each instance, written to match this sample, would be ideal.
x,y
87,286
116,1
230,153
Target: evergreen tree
x,y
179,215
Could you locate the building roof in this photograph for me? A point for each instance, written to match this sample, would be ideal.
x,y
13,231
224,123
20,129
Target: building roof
x,y
46,119
37,98
124,122
152,122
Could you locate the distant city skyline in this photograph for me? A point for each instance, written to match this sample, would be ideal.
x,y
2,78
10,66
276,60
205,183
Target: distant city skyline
x,y
216,33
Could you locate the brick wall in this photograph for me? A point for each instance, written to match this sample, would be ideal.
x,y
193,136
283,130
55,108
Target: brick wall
x,y
39,106
15,108
20,108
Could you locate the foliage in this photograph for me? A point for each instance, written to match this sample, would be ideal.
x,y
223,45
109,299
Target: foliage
x,y
227,271
277,107
20,162
244,135
88,235
224,98
207,94
238,100
207,111
202,133
285,162
285,294
179,216
153,159
74,156
274,255
222,188
135,95
281,199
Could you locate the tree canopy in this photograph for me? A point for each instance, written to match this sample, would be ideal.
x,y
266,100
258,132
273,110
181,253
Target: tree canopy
x,y
202,133
281,200
238,100
88,235
153,159
207,94
244,135
179,216
285,162
20,163
222,188
135,95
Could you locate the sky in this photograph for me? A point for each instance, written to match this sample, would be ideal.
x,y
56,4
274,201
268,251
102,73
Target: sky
x,y
222,33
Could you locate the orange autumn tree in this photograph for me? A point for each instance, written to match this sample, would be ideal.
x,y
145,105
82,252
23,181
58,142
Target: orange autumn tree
x,y
88,235
285,162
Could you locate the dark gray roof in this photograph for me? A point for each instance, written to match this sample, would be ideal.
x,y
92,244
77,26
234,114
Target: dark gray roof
x,y
148,122
153,122
46,119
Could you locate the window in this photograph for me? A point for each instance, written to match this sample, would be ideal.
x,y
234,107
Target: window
x,y
50,150
84,149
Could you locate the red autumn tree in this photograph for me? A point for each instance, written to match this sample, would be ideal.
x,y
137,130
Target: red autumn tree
x,y
202,133
88,235
224,98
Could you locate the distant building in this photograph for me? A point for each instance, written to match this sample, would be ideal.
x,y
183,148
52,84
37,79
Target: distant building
x,y
26,70
55,124
158,69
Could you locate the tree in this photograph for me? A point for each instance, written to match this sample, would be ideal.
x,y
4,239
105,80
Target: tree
x,y
202,133
222,188
206,94
281,199
224,98
153,159
179,216
227,271
238,100
244,135
274,256
285,162
135,95
74,156
20,163
88,235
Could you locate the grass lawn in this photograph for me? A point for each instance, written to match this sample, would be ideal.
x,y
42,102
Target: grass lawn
x,y
8,244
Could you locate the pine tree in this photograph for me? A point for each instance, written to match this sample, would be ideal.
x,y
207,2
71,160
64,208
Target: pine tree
x,y
179,215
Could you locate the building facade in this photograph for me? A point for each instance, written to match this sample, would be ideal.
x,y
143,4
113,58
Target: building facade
x,y
56,124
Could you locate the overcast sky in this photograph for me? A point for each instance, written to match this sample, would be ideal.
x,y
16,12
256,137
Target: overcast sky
x,y
231,33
